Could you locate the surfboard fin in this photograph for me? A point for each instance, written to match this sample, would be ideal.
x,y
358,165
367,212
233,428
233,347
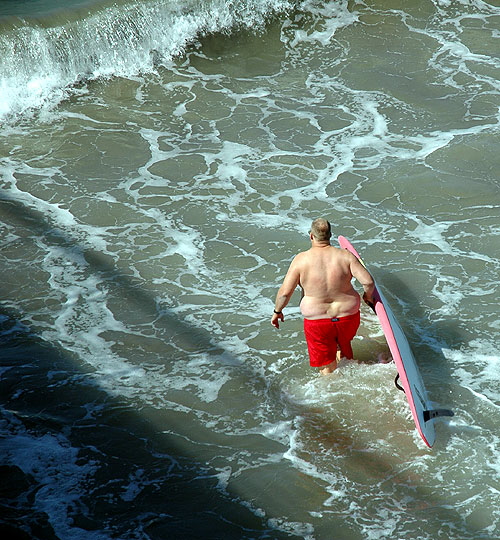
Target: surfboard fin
x,y
434,413
430,414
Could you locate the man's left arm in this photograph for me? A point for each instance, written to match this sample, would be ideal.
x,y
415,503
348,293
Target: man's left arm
x,y
365,278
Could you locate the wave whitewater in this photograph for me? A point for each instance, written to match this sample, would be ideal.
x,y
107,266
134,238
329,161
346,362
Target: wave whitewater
x,y
43,59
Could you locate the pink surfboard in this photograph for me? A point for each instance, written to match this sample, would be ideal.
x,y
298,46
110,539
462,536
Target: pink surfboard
x,y
411,381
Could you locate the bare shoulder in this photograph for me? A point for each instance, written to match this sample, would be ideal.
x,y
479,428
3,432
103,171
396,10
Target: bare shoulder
x,y
349,256
348,260
300,259
344,254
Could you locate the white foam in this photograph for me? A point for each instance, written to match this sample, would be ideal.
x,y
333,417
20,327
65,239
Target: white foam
x,y
62,477
252,207
481,377
333,16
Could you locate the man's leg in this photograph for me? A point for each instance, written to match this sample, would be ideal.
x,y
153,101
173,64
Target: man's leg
x,y
321,344
330,368
346,351
346,332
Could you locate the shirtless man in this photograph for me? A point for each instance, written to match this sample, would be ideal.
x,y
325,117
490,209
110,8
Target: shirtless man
x,y
329,303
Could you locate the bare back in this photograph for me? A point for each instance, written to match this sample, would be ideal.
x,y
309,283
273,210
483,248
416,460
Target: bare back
x,y
325,274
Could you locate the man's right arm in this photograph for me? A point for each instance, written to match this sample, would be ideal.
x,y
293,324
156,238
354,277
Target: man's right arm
x,y
285,292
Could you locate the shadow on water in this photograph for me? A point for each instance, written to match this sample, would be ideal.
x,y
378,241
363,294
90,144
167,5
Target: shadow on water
x,y
430,339
124,477
67,439
120,477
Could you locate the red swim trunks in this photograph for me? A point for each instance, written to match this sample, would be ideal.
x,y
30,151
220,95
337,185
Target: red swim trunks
x,y
323,336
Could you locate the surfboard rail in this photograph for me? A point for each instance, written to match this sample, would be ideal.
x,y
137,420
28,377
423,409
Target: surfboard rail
x,y
409,374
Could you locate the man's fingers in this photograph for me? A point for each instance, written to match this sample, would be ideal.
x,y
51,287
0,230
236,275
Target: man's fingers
x,y
276,318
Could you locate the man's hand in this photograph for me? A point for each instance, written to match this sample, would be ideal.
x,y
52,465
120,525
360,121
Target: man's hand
x,y
369,300
276,318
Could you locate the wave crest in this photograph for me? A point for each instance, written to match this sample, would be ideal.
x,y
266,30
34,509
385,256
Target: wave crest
x,y
41,61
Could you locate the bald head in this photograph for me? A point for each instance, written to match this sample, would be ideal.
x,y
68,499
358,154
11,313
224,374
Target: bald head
x,y
321,230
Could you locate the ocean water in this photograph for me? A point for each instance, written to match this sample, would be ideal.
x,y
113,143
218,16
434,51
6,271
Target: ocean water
x,y
160,164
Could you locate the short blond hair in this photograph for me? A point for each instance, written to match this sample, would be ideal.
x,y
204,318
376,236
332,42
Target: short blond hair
x,y
321,230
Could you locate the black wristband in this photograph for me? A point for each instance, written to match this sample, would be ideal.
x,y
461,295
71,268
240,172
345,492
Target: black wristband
x,y
277,312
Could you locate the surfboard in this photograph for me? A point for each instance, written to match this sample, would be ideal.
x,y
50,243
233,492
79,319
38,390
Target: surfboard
x,y
409,375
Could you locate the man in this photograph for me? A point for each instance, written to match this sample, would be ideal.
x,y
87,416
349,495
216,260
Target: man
x,y
329,304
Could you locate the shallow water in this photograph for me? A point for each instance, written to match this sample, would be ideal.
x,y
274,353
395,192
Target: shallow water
x,y
161,164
